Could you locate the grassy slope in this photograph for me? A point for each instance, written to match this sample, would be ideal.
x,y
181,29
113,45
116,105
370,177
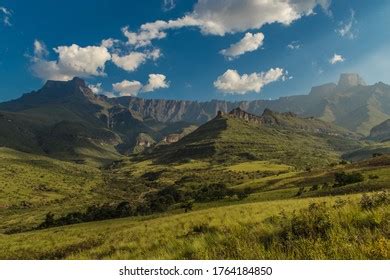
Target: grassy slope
x,y
227,224
231,140
233,232
32,185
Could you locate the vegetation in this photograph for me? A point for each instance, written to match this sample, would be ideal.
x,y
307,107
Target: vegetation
x,y
322,228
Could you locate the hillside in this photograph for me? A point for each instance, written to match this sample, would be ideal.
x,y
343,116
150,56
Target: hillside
x,y
282,137
381,132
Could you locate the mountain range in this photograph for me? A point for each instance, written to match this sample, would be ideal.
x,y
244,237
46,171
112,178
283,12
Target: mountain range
x,y
67,120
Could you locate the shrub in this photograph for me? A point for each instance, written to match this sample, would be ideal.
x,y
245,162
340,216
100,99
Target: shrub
x,y
343,179
212,192
375,200
300,191
187,206
313,222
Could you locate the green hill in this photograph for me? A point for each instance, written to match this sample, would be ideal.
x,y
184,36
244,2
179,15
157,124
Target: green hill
x,y
284,138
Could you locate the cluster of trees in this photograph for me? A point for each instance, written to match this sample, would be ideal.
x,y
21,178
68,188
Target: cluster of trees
x,y
219,191
340,179
343,179
154,202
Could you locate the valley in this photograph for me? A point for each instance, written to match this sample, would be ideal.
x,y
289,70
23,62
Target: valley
x,y
83,176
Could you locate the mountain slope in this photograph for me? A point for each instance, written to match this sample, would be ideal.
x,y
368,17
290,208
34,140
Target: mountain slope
x,y
67,121
381,132
283,137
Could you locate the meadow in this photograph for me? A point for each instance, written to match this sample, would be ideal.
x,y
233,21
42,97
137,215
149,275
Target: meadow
x,y
285,214
309,228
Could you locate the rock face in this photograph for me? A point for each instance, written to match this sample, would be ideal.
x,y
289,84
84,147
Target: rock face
x,y
348,80
172,138
241,114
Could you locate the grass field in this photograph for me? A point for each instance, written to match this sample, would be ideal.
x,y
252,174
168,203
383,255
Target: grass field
x,y
261,225
247,231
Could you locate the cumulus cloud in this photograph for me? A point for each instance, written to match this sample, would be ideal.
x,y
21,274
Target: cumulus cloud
x,y
346,29
218,17
294,45
129,62
232,82
133,60
5,15
127,88
336,58
132,88
155,81
72,61
168,5
249,43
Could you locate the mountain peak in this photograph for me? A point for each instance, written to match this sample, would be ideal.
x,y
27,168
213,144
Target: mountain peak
x,y
75,82
348,80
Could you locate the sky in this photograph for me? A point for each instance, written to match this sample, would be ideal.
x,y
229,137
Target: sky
x,y
192,49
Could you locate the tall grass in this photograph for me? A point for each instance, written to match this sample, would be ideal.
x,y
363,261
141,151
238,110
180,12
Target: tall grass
x,y
320,228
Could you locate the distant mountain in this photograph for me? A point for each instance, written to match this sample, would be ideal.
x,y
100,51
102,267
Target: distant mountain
x,y
66,120
381,132
350,103
282,137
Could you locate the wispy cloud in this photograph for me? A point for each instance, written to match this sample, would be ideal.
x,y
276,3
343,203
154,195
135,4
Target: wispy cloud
x,y
5,15
168,5
294,45
347,29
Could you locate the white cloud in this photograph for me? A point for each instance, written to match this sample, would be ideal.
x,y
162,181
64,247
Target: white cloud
x,y
109,43
96,88
168,5
294,45
218,17
40,49
72,61
249,43
232,82
336,59
347,28
6,16
133,60
127,88
129,62
156,81
132,88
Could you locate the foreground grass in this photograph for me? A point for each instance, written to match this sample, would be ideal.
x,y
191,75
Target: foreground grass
x,y
246,231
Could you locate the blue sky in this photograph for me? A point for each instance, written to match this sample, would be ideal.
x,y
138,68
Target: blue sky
x,y
197,50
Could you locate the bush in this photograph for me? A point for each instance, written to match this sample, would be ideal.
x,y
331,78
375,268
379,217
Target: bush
x,y
313,222
343,179
378,199
212,192
300,191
